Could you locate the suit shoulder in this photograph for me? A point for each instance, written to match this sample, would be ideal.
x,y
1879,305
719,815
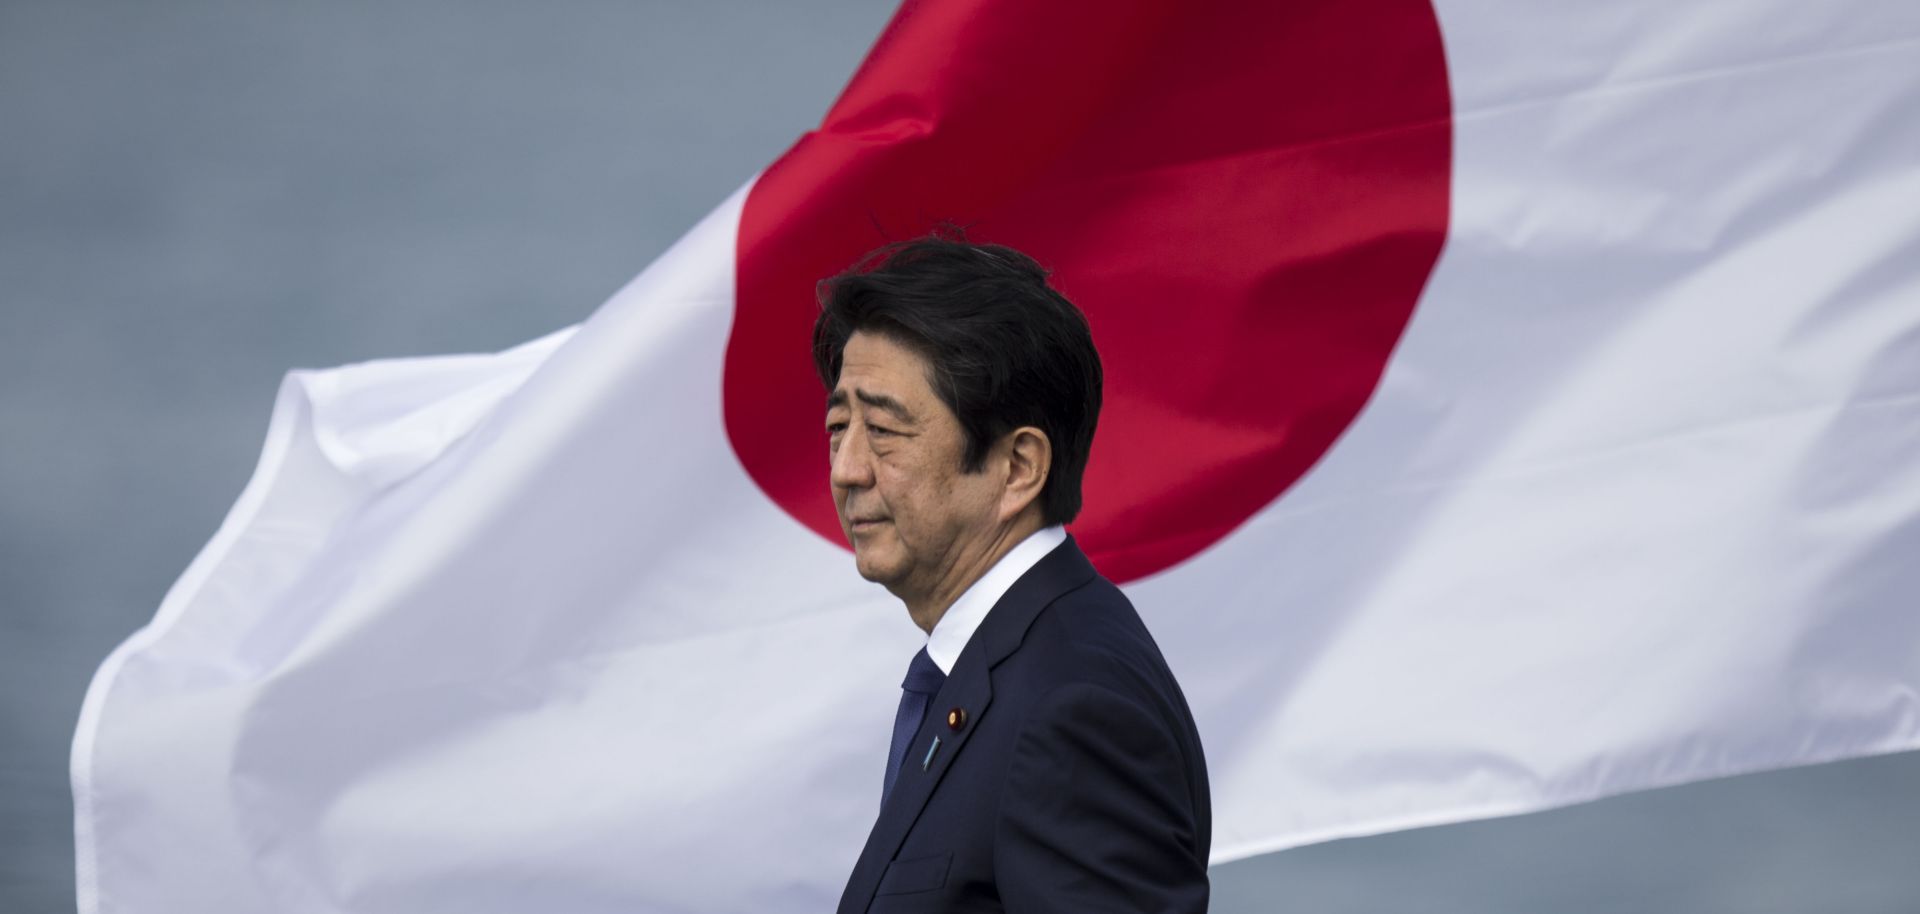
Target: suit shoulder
x,y
1092,636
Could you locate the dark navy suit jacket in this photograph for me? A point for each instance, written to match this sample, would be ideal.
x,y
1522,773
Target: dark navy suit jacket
x,y
1075,782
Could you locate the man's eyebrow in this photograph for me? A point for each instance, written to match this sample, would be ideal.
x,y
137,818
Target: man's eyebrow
x,y
885,403
882,402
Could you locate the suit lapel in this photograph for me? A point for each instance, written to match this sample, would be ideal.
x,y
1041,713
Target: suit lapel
x,y
970,687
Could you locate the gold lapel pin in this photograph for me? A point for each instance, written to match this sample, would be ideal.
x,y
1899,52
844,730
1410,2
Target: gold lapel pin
x,y
956,718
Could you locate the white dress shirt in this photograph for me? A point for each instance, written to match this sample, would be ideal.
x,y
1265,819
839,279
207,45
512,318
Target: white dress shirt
x,y
951,634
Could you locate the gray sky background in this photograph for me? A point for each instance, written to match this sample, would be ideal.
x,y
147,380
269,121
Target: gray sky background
x,y
197,195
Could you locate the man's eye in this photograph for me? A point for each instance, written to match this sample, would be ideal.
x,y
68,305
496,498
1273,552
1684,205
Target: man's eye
x,y
835,428
879,431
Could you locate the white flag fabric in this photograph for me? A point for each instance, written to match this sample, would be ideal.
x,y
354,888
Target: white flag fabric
x,y
1509,405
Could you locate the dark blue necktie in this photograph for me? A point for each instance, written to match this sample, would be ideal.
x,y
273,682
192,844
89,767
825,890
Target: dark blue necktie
x,y
923,680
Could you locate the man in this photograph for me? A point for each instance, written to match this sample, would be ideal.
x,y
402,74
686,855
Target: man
x,y
1043,758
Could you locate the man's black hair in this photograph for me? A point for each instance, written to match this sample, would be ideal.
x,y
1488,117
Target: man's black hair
x,y
1005,349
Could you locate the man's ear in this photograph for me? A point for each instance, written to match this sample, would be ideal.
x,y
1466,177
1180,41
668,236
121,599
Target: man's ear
x,y
1029,460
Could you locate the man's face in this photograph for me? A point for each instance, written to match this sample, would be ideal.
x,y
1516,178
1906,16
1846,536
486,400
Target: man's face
x,y
905,506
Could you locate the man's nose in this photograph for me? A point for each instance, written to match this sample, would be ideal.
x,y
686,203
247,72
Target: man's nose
x,y
852,464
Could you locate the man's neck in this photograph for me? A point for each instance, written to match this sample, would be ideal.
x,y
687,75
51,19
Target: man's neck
x,y
927,608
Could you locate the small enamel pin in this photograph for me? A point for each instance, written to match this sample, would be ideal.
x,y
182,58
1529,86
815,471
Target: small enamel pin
x,y
928,761
956,718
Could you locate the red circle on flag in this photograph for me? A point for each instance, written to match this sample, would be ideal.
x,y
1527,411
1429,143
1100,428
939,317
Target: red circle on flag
x,y
1245,199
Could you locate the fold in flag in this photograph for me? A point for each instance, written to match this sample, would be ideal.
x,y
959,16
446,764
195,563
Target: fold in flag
x,y
1508,405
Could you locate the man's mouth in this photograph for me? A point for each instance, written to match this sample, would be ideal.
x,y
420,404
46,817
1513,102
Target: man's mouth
x,y
866,523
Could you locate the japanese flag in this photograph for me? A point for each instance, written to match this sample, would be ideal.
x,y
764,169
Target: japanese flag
x,y
1508,404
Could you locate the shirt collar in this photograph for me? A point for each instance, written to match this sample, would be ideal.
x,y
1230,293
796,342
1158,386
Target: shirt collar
x,y
956,627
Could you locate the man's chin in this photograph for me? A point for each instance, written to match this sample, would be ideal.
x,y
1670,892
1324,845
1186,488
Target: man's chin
x,y
874,567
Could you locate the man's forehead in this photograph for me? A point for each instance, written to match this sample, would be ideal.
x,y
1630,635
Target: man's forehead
x,y
881,372
881,352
